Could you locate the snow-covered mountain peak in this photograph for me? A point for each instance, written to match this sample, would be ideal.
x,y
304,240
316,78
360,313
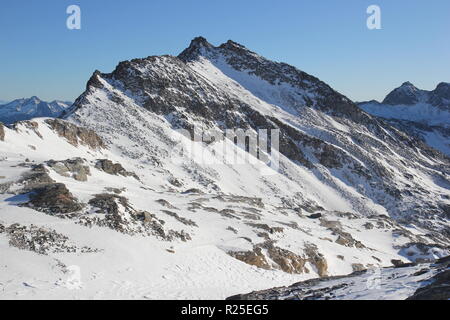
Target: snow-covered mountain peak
x,y
422,114
277,83
28,108
35,99
441,95
196,47
230,44
443,86
199,42
229,86
408,84
406,94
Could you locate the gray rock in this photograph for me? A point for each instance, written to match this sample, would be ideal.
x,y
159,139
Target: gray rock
x,y
74,168
53,198
2,132
114,168
76,135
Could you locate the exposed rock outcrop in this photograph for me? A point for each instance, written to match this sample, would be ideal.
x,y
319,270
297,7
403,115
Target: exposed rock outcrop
x,y
114,168
2,132
53,198
343,238
74,168
283,259
40,240
76,135
116,213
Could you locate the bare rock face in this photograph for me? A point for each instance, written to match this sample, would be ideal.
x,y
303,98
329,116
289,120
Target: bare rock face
x,y
45,195
53,198
2,132
358,267
76,135
114,168
184,221
344,238
28,124
74,168
37,177
108,203
317,259
254,258
40,240
287,261
283,259
116,213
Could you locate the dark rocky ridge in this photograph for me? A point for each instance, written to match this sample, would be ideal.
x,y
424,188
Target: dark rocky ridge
x,y
240,58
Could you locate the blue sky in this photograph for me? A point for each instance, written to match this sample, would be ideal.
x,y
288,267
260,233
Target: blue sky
x,y
326,38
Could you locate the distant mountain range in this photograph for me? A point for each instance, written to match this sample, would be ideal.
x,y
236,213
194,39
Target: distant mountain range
x,y
28,108
421,113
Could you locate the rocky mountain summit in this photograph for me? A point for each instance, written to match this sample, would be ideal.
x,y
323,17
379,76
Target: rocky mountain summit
x,y
349,192
231,87
408,94
29,108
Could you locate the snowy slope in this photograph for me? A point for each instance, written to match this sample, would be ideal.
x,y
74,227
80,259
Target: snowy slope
x,y
114,265
350,193
415,282
25,109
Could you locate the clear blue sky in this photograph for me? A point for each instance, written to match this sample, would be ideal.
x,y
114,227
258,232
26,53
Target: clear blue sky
x,y
326,38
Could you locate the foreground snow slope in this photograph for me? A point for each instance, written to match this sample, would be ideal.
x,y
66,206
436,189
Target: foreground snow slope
x,y
134,265
106,194
410,281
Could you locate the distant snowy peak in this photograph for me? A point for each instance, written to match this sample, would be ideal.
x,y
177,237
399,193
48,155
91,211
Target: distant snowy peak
x,y
420,113
441,95
28,108
408,94
407,102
